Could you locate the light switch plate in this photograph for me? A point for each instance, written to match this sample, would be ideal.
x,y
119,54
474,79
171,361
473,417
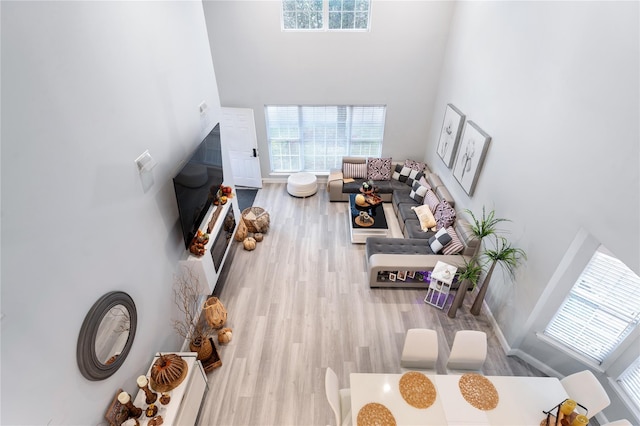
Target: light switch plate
x,y
145,162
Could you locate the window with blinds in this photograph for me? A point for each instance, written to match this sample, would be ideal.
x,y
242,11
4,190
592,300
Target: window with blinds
x,y
315,138
630,382
601,310
341,15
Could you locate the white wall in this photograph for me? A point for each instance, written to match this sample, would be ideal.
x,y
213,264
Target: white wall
x,y
86,88
397,63
556,86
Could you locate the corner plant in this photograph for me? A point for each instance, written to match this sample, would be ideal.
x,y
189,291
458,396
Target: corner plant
x,y
486,225
467,275
504,254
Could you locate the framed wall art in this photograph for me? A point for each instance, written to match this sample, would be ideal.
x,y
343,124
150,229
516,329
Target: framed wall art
x,y
450,134
473,148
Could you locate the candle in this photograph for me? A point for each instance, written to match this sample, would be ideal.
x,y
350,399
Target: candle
x,y
580,420
142,381
124,397
568,406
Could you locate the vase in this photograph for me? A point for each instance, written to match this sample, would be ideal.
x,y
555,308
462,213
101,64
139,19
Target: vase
x,y
202,346
459,299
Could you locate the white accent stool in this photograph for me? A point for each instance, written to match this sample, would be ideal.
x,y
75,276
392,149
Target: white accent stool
x,y
302,184
469,351
440,284
420,349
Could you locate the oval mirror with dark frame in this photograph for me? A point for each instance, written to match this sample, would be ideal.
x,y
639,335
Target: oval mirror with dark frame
x,y
106,335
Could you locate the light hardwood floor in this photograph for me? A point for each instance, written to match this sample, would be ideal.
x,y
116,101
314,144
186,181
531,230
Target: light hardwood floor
x,y
300,303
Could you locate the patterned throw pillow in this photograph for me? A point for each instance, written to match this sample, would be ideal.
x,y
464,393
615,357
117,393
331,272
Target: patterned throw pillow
x,y
439,241
354,170
415,165
379,168
418,192
414,175
445,215
401,173
431,199
423,182
427,221
455,246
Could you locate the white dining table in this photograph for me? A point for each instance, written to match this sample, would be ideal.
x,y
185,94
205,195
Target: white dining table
x,y
521,400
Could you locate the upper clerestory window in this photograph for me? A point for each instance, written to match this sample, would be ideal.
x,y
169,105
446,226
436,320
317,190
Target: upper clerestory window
x,y
326,15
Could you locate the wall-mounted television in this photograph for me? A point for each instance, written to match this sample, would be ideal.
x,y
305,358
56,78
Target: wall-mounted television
x,y
197,183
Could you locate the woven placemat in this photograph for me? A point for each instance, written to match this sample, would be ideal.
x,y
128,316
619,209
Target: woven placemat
x,y
417,390
478,391
375,414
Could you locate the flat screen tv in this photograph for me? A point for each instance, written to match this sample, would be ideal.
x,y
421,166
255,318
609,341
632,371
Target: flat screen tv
x,y
197,183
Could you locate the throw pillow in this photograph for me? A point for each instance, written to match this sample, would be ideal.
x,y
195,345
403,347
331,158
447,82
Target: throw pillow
x,y
415,165
431,199
423,182
455,246
418,192
438,241
445,215
427,221
414,175
401,173
379,168
354,170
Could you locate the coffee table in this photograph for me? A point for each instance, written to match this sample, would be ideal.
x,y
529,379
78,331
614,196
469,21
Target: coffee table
x,y
360,233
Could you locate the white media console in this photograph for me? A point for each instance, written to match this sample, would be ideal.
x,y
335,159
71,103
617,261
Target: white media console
x,y
208,266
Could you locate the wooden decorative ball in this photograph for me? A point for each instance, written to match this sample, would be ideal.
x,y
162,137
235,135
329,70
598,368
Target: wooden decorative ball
x,y
249,243
258,236
242,232
224,336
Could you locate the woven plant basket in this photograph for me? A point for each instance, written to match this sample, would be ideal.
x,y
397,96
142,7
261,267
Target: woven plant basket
x,y
215,312
256,219
202,347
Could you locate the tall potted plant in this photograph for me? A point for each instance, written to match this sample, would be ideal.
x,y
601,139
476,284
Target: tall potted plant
x,y
485,225
507,256
468,277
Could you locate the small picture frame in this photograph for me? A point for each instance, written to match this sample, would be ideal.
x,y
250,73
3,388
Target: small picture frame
x,y
402,275
411,274
392,276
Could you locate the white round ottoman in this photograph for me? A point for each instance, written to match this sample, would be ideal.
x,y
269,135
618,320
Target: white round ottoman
x,y
302,184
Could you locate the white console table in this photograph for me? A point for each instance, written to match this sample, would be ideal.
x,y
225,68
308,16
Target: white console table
x,y
184,407
203,266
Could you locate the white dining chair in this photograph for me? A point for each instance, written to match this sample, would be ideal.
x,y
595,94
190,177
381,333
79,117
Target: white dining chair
x,y
621,422
468,351
420,350
339,399
585,389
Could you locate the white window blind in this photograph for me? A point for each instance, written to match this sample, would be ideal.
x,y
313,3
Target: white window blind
x,y
344,15
315,138
602,308
630,382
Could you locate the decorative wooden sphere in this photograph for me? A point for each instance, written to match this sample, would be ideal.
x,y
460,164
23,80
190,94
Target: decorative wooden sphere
x,y
360,200
258,236
249,243
242,232
224,336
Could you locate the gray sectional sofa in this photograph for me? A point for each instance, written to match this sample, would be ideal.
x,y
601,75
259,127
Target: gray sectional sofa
x,y
388,256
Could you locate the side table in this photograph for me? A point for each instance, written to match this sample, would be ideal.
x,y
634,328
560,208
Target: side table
x,y
440,285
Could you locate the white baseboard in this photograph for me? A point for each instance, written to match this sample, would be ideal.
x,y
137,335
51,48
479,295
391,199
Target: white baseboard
x,y
534,362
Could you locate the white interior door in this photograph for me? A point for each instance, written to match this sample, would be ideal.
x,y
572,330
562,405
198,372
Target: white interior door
x,y
238,131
